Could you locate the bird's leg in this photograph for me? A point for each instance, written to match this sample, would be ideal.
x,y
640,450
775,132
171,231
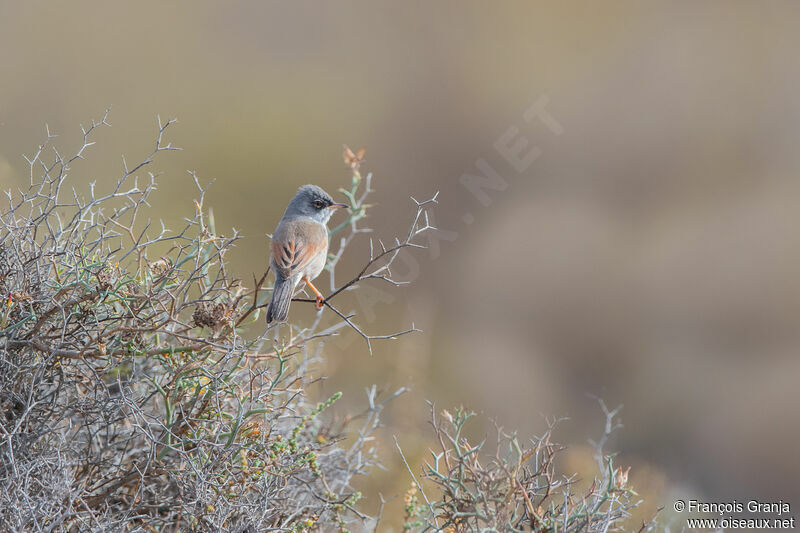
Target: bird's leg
x,y
320,298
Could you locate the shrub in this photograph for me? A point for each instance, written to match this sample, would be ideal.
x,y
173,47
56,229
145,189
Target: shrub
x,y
132,396
139,391
514,485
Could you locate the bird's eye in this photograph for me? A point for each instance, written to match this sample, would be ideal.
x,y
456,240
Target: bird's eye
x,y
319,204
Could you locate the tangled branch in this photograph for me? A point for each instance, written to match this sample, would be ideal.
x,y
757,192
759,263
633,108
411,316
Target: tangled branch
x,y
131,395
381,257
515,485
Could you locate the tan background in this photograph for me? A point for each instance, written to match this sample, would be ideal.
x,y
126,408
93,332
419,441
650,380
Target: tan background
x,y
650,254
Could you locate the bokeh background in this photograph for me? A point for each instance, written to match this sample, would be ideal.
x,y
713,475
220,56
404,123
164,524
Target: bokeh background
x,y
649,255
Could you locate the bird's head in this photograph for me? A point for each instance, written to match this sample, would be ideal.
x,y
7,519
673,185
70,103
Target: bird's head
x,y
311,201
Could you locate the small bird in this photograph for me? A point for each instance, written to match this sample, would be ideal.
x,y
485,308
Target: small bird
x,y
300,247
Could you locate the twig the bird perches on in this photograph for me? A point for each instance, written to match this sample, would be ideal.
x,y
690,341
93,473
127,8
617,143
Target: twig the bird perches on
x,y
385,258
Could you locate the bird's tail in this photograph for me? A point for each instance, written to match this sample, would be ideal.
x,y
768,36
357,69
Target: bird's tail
x,y
281,298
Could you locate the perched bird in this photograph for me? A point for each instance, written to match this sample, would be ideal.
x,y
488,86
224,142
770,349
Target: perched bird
x,y
300,247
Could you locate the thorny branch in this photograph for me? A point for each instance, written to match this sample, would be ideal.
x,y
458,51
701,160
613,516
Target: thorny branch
x,y
381,259
512,485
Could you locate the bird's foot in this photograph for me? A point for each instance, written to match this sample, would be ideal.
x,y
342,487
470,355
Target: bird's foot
x,y
319,303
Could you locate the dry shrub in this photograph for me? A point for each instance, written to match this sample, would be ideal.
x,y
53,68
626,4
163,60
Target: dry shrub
x,y
140,392
514,485
134,394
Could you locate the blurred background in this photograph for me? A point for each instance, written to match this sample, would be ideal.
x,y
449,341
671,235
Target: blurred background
x,y
649,254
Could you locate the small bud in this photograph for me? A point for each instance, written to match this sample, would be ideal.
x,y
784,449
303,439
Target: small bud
x,y
447,416
353,160
621,477
159,268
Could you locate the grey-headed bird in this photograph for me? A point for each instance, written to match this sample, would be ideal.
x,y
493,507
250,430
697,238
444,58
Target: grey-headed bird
x,y
300,247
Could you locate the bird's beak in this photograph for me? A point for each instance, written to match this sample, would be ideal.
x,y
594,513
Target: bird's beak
x,y
338,206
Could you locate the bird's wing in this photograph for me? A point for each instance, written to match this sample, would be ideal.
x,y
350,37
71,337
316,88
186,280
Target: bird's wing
x,y
295,244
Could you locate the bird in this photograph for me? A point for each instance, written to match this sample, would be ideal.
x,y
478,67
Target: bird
x,y
300,247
